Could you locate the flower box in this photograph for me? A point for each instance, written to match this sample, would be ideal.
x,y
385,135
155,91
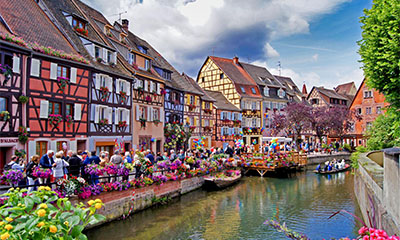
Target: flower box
x,y
68,120
123,96
104,92
81,31
54,120
148,99
156,122
62,83
103,122
142,122
207,129
207,111
226,120
4,115
192,107
122,124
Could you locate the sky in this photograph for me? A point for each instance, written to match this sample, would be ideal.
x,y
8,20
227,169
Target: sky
x,y
315,41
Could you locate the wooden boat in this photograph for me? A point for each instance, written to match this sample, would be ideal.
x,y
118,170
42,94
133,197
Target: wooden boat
x,y
213,182
346,167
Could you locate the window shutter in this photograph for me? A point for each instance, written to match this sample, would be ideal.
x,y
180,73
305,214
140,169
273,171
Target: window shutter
x,y
158,88
149,114
229,115
117,82
222,131
53,71
188,99
110,83
114,57
161,115
146,85
196,100
104,56
97,81
211,106
127,116
151,86
117,116
73,145
77,112
136,84
31,149
137,112
240,116
128,88
258,105
258,122
109,114
222,115
195,121
97,114
73,75
203,105
212,123
35,67
16,64
44,109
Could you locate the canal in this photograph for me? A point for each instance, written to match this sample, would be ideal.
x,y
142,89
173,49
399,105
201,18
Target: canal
x,y
304,201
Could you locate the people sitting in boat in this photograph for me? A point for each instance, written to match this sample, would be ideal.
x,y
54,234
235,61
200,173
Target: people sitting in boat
x,y
318,168
326,166
342,164
329,167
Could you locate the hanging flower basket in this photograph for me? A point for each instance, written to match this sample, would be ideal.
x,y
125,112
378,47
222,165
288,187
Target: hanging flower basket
x,y
140,91
54,120
68,120
191,107
237,122
122,124
207,111
22,134
123,96
142,122
7,72
156,122
62,83
23,99
148,99
207,129
104,92
226,120
163,91
81,31
103,122
4,115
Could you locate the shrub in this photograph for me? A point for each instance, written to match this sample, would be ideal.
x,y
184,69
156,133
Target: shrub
x,y
355,155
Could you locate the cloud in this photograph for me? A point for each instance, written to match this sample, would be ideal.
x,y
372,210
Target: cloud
x,y
355,76
186,31
315,57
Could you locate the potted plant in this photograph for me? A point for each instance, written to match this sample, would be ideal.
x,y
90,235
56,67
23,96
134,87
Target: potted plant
x,y
7,72
103,122
23,99
142,122
191,107
148,99
68,120
81,31
156,122
104,92
62,83
140,91
4,115
54,120
99,60
22,134
123,96
122,124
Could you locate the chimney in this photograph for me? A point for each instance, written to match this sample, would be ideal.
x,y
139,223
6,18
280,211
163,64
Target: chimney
x,y
236,60
125,24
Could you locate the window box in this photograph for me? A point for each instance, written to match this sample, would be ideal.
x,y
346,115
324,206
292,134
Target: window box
x,y
54,120
191,107
22,134
104,92
7,72
207,129
237,122
122,124
99,60
103,122
4,115
207,111
142,123
156,122
62,83
68,120
81,31
226,120
123,96
148,99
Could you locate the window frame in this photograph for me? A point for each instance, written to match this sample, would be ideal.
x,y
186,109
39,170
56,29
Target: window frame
x,y
6,104
253,90
63,71
71,109
39,150
52,108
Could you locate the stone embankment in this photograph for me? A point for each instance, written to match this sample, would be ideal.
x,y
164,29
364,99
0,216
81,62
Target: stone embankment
x,y
321,158
377,190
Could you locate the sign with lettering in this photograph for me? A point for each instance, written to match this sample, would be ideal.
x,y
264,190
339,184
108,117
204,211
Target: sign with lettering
x,y
8,140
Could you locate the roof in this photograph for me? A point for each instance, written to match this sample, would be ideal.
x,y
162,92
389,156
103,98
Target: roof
x,y
345,88
204,95
20,14
238,75
304,90
261,75
329,93
221,102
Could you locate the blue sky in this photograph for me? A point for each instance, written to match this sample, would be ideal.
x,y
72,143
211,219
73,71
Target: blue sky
x,y
315,40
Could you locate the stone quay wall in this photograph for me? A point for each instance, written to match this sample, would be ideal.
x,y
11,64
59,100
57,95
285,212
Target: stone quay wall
x,y
119,203
321,158
377,190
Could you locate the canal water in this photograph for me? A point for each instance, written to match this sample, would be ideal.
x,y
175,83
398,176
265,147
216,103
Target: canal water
x,y
304,201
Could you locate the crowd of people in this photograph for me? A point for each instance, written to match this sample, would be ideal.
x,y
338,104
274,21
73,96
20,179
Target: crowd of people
x,y
331,166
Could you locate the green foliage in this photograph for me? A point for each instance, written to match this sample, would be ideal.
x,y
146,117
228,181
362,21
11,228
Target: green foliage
x,y
347,147
384,132
380,47
43,215
355,155
23,99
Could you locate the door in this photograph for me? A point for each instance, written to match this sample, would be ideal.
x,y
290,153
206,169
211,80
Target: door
x,y
3,152
158,146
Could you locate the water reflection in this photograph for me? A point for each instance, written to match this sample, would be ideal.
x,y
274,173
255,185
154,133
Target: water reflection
x,y
304,201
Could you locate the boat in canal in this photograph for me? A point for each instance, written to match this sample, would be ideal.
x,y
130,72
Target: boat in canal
x,y
346,167
222,180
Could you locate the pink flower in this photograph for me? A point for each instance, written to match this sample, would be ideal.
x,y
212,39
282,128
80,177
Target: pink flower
x,y
366,237
382,233
363,231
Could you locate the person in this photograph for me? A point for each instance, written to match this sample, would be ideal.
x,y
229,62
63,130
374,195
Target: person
x,y
128,158
326,165
68,156
138,165
150,156
18,165
75,163
329,167
46,161
116,159
337,145
165,157
103,159
318,168
229,151
172,155
181,155
159,157
93,159
11,163
58,166
29,172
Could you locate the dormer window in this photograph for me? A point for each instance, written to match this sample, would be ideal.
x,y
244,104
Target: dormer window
x,y
122,38
266,91
97,52
131,58
107,30
142,49
253,90
281,93
79,26
242,88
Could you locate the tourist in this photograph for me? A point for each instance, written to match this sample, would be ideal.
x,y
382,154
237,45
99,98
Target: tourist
x,y
229,151
11,163
32,165
75,163
318,168
103,159
138,164
172,156
93,159
159,157
150,156
69,155
337,146
165,156
59,166
128,158
181,155
18,165
46,161
116,159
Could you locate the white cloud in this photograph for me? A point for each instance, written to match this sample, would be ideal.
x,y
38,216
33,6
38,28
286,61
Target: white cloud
x,y
355,76
315,57
270,52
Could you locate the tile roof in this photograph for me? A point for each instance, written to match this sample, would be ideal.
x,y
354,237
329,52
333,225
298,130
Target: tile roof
x,y
330,93
28,21
221,102
345,88
262,76
204,95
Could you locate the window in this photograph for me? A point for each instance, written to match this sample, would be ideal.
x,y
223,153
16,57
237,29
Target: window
x,y
224,115
236,131
76,23
221,76
156,114
140,83
368,110
147,64
281,93
60,146
3,104
225,131
103,81
142,49
191,121
253,90
359,111
206,122
191,99
242,89
202,80
367,94
62,71
109,57
235,116
54,108
131,58
96,52
207,105
142,112
8,60
177,97
253,105
266,91
41,148
68,109
254,122
102,113
122,86
378,110
315,101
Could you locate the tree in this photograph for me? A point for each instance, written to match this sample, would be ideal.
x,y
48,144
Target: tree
x,y
279,124
383,134
341,120
380,48
321,121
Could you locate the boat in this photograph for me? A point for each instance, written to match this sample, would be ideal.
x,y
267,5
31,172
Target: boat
x,y
220,182
346,167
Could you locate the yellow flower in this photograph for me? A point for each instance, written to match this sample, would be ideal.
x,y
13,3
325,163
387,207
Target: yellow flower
x,y
47,188
5,236
41,224
66,223
8,219
91,202
2,223
11,189
98,205
41,212
53,229
8,227
98,200
92,212
41,188
43,205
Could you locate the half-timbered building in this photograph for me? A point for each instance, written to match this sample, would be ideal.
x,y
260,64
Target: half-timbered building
x,y
110,82
227,123
230,78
